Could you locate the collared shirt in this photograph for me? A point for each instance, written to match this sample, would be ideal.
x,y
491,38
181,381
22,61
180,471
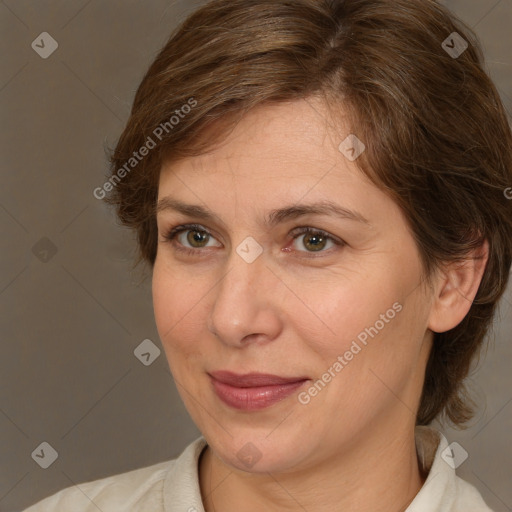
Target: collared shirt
x,y
173,486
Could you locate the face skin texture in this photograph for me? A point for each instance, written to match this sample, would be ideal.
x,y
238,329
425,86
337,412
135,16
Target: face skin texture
x,y
292,312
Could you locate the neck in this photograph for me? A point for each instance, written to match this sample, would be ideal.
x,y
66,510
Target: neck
x,y
375,471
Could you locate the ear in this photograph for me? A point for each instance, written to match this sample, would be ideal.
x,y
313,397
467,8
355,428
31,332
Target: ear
x,y
456,289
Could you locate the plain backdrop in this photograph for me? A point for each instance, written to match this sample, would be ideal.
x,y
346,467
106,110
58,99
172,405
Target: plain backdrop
x,y
73,311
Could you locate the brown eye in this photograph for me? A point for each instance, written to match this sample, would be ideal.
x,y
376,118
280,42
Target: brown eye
x,y
197,238
190,238
314,240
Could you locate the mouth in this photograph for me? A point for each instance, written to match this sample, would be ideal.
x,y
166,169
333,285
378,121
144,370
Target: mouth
x,y
253,391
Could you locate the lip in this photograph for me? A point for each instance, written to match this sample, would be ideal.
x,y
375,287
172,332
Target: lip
x,y
253,391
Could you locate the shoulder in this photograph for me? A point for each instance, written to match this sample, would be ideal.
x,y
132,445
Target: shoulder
x,y
117,492
443,490
468,498
140,490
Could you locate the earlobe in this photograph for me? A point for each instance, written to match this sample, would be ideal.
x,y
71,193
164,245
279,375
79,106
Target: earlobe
x,y
456,289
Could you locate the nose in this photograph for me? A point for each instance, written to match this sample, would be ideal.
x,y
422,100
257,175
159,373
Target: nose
x,y
245,308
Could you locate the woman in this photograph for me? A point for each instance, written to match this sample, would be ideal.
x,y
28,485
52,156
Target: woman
x,y
318,186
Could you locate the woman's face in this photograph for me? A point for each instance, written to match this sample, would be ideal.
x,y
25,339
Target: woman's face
x,y
247,291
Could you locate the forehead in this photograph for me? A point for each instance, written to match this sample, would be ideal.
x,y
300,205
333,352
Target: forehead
x,y
277,157
289,142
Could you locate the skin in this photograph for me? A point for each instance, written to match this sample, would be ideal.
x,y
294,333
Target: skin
x,y
292,312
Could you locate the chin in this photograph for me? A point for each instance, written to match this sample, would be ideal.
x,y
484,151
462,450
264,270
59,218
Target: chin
x,y
256,452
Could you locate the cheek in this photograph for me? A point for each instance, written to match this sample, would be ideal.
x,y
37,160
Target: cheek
x,y
337,311
178,303
380,341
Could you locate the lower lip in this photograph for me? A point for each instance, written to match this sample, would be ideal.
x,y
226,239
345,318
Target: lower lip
x,y
252,399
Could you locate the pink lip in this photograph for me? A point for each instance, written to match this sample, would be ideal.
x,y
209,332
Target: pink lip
x,y
253,391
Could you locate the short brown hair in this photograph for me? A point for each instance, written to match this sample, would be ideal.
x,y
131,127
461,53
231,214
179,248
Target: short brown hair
x,y
437,137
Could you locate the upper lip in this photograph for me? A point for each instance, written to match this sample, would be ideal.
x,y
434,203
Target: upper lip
x,y
252,379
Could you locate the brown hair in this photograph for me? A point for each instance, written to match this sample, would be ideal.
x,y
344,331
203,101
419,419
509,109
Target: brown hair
x,y
437,136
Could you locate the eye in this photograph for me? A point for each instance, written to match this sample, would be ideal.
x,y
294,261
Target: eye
x,y
191,238
315,240
193,234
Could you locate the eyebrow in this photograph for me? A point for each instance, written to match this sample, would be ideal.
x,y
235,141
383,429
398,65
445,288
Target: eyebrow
x,y
274,217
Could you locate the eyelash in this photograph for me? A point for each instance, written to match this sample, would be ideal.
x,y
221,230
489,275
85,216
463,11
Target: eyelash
x,y
297,232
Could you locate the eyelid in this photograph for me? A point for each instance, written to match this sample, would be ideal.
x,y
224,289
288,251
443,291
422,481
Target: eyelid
x,y
172,233
304,230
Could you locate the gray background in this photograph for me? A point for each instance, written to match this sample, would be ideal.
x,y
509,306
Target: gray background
x,y
73,311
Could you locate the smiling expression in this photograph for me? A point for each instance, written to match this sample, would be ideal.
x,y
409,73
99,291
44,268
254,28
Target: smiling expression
x,y
275,252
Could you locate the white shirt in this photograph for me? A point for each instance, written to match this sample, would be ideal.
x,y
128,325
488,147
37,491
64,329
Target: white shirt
x,y
173,486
